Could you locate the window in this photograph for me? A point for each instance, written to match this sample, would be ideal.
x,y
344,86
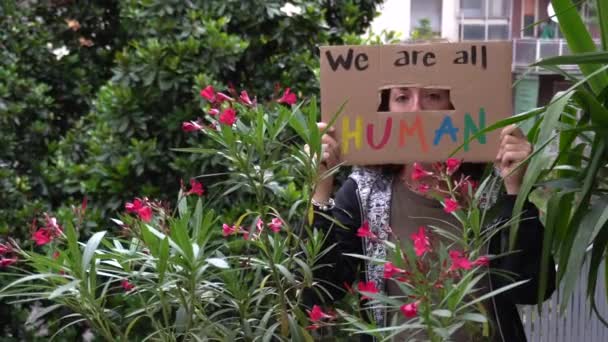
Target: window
x,y
483,8
498,8
498,32
485,19
472,8
529,18
473,32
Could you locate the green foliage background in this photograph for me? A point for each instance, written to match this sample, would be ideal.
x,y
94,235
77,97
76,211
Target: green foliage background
x,y
101,121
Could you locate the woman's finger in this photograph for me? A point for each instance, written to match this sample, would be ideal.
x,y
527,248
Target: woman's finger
x,y
525,147
513,130
509,158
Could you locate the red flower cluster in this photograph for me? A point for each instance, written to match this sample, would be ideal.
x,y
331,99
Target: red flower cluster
x,y
141,207
367,287
421,242
48,233
419,172
275,225
316,316
191,126
461,262
450,205
409,310
288,97
452,165
6,259
365,231
126,285
196,188
391,270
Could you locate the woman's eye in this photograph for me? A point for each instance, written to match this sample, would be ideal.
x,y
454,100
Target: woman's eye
x,y
434,97
402,98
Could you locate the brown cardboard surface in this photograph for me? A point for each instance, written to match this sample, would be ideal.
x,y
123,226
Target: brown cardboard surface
x,y
480,93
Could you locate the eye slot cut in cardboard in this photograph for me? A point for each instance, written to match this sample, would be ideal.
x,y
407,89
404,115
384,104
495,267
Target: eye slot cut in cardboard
x,y
405,98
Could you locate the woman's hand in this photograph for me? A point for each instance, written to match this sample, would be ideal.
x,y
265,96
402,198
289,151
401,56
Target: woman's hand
x,y
329,159
514,149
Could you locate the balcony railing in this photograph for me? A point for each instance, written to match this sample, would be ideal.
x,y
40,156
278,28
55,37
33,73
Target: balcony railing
x,y
529,50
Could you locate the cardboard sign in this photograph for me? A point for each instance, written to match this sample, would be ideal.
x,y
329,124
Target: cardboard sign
x,y
477,74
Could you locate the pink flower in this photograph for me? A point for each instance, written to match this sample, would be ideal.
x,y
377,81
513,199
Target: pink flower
x,y
409,310
145,214
259,225
221,97
459,261
275,225
208,93
245,235
369,287
213,111
421,242
390,270
5,249
52,225
228,117
288,97
365,231
482,261
419,172
452,165
228,230
5,262
141,208
245,98
83,206
195,188
450,205
50,231
191,126
317,314
126,285
423,188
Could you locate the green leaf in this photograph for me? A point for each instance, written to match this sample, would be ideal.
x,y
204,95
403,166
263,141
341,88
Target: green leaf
x,y
474,317
579,39
196,150
539,161
63,288
198,219
163,258
74,255
90,249
559,209
602,16
573,257
442,313
182,204
217,262
28,278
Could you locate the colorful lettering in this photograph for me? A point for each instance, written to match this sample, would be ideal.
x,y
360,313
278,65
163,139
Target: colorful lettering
x,y
447,127
471,129
387,133
405,130
348,134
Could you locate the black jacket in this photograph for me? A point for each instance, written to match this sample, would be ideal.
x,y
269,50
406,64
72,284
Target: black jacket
x,y
525,262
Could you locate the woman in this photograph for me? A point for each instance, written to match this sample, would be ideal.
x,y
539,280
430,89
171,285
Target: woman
x,y
387,197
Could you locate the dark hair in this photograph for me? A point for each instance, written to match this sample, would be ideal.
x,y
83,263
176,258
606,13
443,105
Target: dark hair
x,y
385,96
